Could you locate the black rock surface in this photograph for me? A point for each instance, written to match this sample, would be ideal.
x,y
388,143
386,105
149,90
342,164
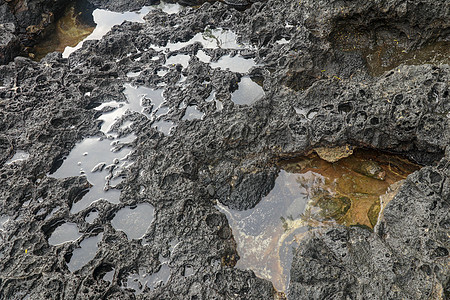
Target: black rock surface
x,y
317,93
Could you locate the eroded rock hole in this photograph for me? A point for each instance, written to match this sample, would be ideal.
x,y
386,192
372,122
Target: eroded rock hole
x,y
328,187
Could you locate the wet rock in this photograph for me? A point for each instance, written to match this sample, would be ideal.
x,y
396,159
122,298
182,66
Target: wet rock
x,y
228,156
334,154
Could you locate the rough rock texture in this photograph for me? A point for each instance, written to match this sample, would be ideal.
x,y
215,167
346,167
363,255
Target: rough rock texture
x,y
316,95
23,22
9,43
406,258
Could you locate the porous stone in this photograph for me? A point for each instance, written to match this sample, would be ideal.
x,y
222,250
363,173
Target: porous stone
x,y
317,94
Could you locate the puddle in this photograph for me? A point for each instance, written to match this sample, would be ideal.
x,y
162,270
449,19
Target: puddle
x,y
236,63
192,113
74,26
18,157
209,38
85,253
140,99
173,244
64,233
52,213
101,161
133,74
211,97
203,57
248,92
311,192
188,271
161,73
348,191
162,111
141,280
3,221
263,244
109,275
282,41
134,221
105,20
181,59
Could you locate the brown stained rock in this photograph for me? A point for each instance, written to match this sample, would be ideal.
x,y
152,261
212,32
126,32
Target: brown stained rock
x,y
334,154
350,189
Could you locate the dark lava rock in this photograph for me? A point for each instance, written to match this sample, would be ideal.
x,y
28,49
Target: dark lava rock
x,y
316,94
9,42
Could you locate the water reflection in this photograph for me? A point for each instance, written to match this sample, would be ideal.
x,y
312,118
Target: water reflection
x,y
248,92
236,63
349,190
100,160
134,221
105,20
76,24
91,216
83,254
192,113
18,157
64,233
141,280
311,192
209,38
265,234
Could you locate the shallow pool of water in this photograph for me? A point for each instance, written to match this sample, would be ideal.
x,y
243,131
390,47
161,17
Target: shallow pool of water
x,y
139,98
209,38
18,157
181,59
84,253
105,20
141,280
265,235
192,113
134,221
91,216
3,221
100,160
310,192
236,63
248,92
64,233
163,126
109,276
